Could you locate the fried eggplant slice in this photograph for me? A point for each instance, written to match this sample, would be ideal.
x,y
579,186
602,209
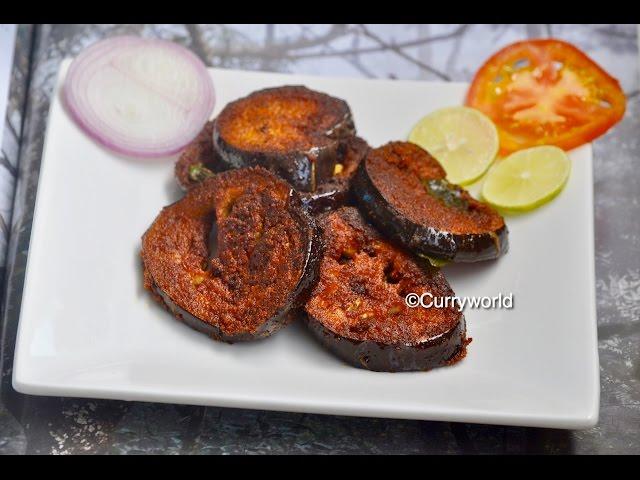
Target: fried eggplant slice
x,y
402,190
249,282
293,131
358,311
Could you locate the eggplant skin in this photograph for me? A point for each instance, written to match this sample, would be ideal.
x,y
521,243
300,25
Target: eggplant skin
x,y
424,239
336,192
447,349
268,328
286,313
303,168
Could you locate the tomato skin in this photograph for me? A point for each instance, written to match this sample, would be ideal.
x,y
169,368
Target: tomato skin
x,y
573,110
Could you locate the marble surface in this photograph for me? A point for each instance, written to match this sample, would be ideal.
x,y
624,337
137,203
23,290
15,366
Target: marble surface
x,y
31,424
11,124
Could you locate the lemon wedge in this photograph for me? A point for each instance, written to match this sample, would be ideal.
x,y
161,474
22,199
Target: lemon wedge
x,y
527,179
462,139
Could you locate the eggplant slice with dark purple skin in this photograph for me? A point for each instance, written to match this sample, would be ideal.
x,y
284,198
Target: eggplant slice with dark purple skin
x,y
293,131
199,160
261,271
402,190
358,311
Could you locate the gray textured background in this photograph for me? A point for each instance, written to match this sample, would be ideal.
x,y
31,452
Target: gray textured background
x,y
430,52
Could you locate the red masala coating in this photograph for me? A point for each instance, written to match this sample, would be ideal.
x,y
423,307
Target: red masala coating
x,y
363,282
262,243
399,170
282,119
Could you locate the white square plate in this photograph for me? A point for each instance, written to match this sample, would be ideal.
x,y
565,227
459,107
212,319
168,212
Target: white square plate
x,y
88,329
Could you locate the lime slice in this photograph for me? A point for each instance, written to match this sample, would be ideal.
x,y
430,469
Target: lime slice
x,y
528,178
462,139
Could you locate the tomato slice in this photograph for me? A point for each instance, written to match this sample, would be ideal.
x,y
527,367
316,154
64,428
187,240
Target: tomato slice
x,y
546,92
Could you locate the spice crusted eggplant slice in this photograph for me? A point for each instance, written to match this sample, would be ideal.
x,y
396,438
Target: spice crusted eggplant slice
x,y
358,311
336,191
402,190
198,160
292,130
263,268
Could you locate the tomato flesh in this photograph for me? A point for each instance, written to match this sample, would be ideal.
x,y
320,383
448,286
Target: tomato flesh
x,y
546,92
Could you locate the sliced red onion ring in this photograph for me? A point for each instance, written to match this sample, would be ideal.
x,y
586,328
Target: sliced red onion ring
x,y
139,97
